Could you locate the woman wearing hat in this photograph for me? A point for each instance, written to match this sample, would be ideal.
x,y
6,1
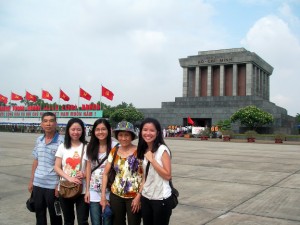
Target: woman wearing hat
x,y
125,190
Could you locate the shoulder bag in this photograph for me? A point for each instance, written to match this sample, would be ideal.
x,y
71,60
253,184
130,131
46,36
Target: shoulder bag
x,y
112,173
69,189
175,192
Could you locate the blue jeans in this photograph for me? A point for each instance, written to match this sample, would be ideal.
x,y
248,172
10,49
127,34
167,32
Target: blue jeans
x,y
96,215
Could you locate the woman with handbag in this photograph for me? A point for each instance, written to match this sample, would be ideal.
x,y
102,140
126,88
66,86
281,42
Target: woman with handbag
x,y
124,195
98,150
70,167
156,193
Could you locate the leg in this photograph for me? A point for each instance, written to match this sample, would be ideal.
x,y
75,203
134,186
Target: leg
x,y
82,210
95,212
40,205
50,198
133,218
161,211
147,212
118,207
67,206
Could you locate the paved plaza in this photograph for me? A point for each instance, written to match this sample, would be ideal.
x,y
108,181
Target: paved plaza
x,y
220,183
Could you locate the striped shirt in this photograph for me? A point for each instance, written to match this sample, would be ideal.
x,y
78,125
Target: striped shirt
x,y
44,175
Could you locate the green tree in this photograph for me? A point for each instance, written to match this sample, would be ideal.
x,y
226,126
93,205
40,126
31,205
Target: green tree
x,y
252,117
224,125
129,114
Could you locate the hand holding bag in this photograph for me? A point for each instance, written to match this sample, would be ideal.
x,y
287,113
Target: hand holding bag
x,y
69,189
30,203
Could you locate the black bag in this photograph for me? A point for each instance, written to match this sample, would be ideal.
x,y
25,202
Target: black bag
x,y
175,195
30,203
112,173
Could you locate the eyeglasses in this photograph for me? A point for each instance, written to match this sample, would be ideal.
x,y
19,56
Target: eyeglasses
x,y
100,130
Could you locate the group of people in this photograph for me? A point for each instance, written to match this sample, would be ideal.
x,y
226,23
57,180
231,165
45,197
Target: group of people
x,y
139,192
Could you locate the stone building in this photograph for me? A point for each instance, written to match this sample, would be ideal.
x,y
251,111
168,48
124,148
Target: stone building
x,y
216,84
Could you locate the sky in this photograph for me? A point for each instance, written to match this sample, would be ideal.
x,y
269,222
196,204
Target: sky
x,y
133,47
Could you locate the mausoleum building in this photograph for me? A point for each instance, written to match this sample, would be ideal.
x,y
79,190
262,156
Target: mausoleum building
x,y
216,84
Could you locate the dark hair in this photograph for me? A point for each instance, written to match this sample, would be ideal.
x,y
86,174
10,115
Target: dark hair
x,y
93,146
118,131
48,114
67,135
142,145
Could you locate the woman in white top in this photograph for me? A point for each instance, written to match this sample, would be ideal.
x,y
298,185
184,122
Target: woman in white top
x,y
156,191
98,150
67,164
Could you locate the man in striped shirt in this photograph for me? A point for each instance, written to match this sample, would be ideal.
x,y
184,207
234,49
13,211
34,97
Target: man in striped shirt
x,y
44,180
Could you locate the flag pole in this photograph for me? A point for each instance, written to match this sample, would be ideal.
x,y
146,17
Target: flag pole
x,y
101,99
59,99
79,98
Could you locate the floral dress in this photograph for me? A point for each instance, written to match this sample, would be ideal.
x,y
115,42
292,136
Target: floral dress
x,y
129,173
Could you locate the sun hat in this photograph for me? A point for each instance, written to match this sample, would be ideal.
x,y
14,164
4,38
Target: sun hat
x,y
125,126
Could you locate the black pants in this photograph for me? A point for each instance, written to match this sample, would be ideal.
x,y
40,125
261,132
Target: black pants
x,y
82,210
121,207
44,198
156,212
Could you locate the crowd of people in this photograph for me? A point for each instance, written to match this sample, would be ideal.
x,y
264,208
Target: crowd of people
x,y
139,190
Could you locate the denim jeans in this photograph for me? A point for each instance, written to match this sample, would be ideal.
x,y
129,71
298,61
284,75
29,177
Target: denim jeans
x,y
82,210
96,215
44,198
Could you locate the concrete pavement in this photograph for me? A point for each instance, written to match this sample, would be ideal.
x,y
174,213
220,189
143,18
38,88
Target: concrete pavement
x,y
219,182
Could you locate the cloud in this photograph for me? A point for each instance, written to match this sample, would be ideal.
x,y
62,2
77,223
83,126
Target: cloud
x,y
272,39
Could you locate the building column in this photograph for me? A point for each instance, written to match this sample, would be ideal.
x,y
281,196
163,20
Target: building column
x,y
197,83
249,75
222,83
209,81
254,80
234,80
185,83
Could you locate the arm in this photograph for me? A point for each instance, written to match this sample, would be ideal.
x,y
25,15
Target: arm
x,y
33,168
61,173
165,170
88,179
104,185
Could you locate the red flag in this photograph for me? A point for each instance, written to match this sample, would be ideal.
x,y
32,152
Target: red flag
x,y
107,93
63,96
30,97
190,121
84,94
16,97
46,95
3,99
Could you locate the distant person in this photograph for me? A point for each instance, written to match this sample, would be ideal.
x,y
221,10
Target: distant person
x,y
44,180
98,150
67,165
156,193
125,190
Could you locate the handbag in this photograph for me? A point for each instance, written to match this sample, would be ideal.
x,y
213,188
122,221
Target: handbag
x,y
112,173
30,203
174,196
174,191
69,189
